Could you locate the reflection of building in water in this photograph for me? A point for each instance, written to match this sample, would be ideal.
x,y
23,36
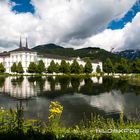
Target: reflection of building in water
x,y
47,86
53,85
25,87
98,80
18,87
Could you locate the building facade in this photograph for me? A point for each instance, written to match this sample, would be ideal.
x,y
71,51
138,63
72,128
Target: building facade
x,y
25,55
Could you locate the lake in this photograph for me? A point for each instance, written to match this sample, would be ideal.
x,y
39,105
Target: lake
x,y
80,97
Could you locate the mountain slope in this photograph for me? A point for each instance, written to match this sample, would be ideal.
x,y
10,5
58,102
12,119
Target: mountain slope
x,y
92,53
129,54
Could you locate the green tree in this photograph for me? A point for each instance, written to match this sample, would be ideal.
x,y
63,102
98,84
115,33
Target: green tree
x,y
75,67
108,66
2,69
123,66
19,68
81,69
2,81
41,67
52,67
98,69
135,66
57,68
64,67
88,67
14,67
32,68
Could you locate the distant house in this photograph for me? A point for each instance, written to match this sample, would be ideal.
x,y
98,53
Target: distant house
x,y
25,55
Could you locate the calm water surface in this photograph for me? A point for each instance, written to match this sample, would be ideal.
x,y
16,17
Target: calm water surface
x,y
80,97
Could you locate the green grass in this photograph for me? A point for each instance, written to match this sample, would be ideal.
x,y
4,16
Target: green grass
x,y
14,126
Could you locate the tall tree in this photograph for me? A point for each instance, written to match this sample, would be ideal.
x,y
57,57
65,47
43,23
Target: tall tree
x,y
81,69
19,68
75,67
98,69
14,67
123,66
2,69
32,68
57,68
41,67
52,67
64,67
135,66
108,66
88,66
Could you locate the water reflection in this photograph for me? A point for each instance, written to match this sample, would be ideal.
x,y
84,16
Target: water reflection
x,y
17,87
79,96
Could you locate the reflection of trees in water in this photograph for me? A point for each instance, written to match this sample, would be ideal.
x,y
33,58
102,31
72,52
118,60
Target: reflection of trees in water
x,y
39,80
88,87
108,84
52,82
72,84
41,83
64,83
17,81
135,89
98,78
32,79
75,82
123,86
2,80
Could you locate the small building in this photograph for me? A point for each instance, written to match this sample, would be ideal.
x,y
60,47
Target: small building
x,y
25,55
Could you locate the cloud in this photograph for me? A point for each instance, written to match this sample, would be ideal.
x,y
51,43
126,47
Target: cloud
x,y
72,23
126,38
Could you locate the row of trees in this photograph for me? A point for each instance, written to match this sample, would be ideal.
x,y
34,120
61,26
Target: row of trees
x,y
2,69
65,67
17,68
37,68
33,68
124,66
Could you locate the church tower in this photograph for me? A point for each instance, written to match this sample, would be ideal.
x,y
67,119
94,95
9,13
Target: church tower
x,y
26,43
20,43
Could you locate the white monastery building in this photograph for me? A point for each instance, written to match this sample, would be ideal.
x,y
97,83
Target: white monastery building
x,y
25,55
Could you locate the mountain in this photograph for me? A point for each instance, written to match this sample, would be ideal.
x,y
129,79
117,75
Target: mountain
x,y
91,52
129,54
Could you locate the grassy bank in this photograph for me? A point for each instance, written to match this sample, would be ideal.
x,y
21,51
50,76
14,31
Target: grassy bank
x,y
14,126
135,78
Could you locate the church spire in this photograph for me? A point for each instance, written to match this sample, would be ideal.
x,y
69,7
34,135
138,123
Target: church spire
x,y
26,43
20,44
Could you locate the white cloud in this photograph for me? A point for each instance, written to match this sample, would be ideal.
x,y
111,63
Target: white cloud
x,y
126,38
68,22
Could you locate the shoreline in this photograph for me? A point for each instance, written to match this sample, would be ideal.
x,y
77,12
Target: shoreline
x,y
115,75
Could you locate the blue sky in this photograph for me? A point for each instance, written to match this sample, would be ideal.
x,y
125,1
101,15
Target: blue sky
x,y
127,18
24,6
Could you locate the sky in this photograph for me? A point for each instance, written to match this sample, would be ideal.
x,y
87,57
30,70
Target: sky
x,y
108,24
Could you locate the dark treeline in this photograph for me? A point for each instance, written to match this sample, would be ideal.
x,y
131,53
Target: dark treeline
x,y
124,66
64,67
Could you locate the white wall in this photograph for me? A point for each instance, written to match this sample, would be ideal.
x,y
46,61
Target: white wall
x,y
26,57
